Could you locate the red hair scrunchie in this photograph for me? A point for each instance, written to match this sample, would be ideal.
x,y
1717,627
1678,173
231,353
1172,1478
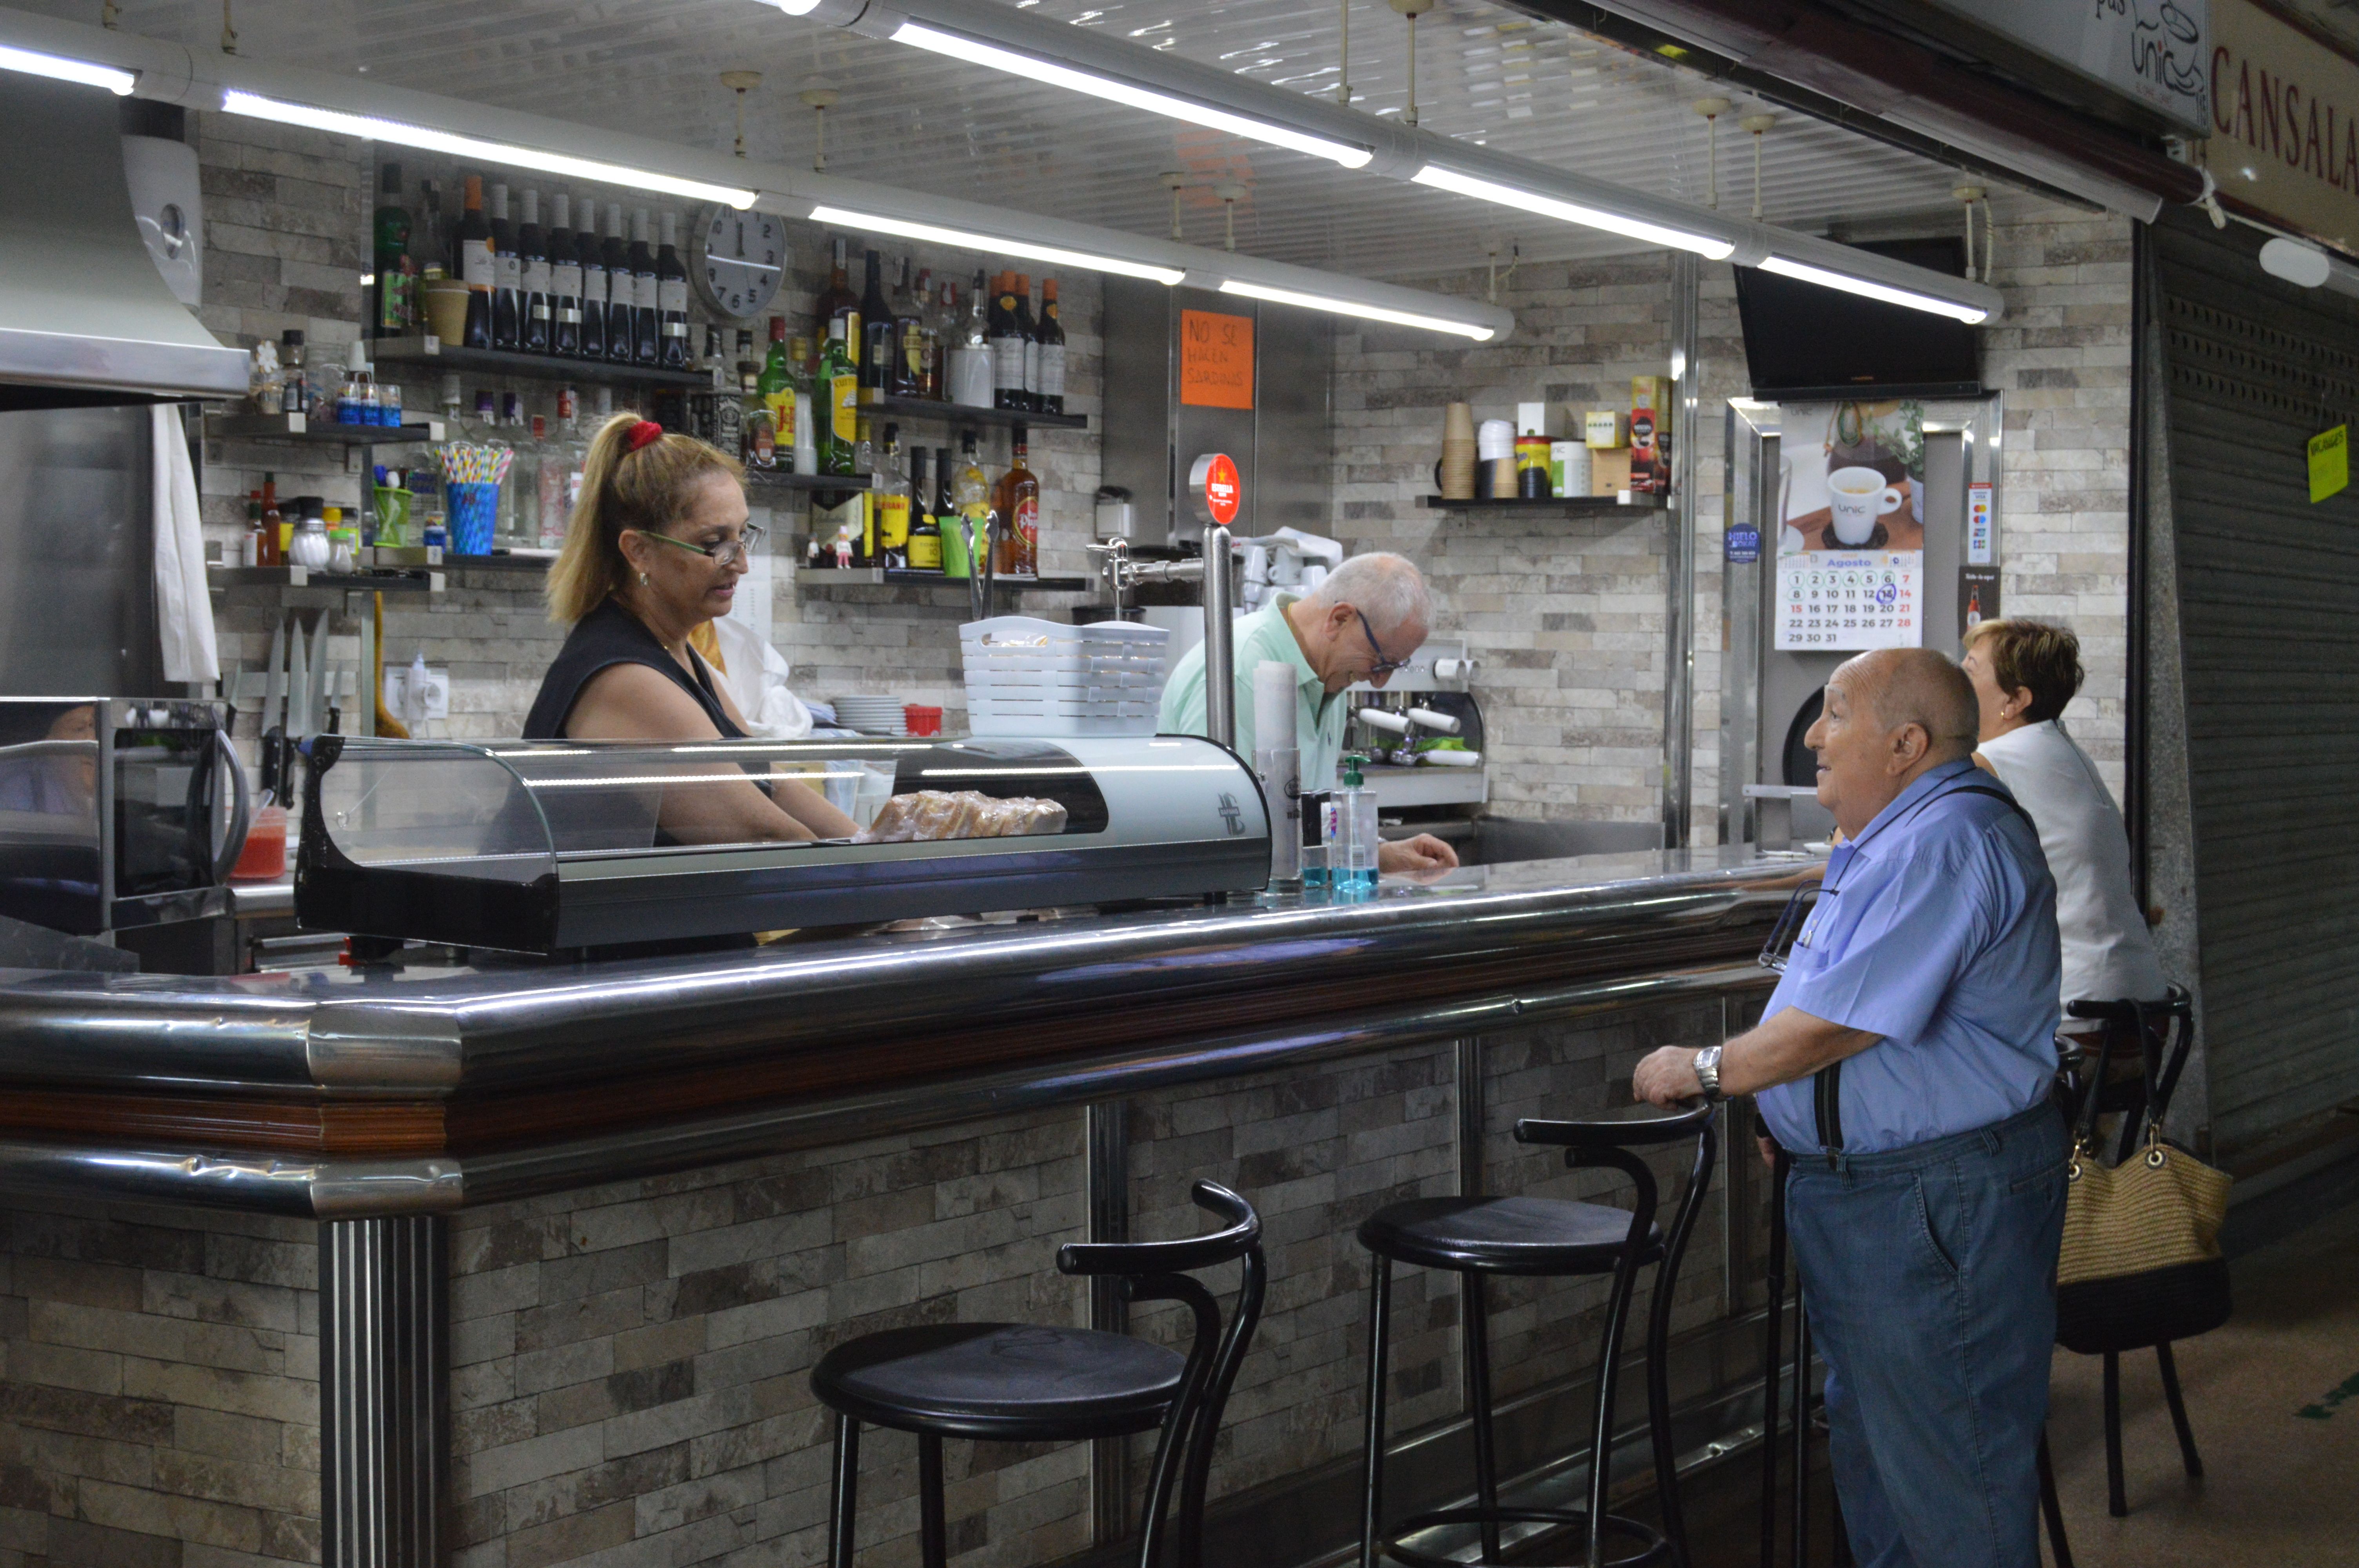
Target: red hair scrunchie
x,y
646,433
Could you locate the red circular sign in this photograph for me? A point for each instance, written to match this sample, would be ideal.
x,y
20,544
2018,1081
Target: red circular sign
x,y
1224,491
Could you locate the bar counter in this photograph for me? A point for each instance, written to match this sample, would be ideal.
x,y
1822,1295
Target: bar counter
x,y
531,1261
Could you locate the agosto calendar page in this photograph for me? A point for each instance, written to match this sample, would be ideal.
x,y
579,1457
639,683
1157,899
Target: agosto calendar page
x,y
1850,553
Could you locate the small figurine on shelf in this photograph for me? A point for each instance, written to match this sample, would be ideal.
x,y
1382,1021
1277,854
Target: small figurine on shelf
x,y
845,547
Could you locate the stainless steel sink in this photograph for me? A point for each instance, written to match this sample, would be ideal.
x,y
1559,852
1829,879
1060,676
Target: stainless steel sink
x,y
1495,841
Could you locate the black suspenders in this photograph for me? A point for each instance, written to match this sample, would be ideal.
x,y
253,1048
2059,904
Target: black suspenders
x,y
1826,1083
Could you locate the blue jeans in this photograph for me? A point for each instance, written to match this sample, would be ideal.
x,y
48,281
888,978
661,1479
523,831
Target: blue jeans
x,y
1930,1275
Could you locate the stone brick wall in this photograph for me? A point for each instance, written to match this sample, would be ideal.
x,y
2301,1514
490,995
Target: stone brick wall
x,y
158,1389
287,214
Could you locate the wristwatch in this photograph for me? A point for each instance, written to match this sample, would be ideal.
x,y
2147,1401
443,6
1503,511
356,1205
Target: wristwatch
x,y
1707,1071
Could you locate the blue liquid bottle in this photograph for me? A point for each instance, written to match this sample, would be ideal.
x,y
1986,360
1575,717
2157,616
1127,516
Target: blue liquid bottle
x,y
1352,859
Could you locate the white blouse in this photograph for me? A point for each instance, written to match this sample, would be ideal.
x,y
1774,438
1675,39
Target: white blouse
x,y
2108,954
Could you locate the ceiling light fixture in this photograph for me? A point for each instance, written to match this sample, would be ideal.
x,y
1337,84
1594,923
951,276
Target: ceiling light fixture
x,y
1440,179
966,238
1971,315
974,51
60,68
401,134
1342,306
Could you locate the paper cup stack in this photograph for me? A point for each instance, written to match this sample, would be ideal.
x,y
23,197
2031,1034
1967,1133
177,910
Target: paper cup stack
x,y
1495,449
1458,453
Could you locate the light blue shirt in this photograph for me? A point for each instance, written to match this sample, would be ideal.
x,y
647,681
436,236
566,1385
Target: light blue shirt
x,y
1937,931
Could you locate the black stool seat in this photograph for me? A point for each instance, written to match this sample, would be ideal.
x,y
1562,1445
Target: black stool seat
x,y
1002,1382
1505,1235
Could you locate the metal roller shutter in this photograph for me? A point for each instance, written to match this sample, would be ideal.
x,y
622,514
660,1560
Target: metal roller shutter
x,y
2269,588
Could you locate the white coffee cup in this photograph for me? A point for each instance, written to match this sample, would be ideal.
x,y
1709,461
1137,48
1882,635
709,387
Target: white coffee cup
x,y
1858,496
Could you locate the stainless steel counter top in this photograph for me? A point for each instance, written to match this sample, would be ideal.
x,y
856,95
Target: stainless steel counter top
x,y
343,1091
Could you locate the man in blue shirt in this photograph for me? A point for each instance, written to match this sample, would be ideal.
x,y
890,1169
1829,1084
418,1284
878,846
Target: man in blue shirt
x,y
1905,1061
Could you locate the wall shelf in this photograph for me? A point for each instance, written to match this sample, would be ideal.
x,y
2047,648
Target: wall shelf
x,y
298,588
958,414
896,576
303,431
846,484
1561,505
433,355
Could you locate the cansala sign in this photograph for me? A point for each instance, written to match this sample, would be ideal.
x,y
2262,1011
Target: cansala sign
x,y
2285,122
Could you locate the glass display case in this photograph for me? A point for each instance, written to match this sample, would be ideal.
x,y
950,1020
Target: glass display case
x,y
555,846
116,812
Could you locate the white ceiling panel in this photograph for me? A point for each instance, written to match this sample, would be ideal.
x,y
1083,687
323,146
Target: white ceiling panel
x,y
911,119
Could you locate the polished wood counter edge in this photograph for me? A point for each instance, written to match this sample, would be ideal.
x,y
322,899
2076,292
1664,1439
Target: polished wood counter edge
x,y
664,1081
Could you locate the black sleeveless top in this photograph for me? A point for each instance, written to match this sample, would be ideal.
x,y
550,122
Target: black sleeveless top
x,y
609,635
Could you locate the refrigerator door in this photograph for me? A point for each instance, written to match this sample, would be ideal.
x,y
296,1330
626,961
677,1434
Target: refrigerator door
x,y
78,602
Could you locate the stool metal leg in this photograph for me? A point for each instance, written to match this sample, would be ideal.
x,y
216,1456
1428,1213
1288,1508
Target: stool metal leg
x,y
843,1498
2117,1501
1475,1323
1601,1442
1372,1492
933,1531
1658,1420
2187,1454
2052,1507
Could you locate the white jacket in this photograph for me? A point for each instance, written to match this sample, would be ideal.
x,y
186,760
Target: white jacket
x,y
755,674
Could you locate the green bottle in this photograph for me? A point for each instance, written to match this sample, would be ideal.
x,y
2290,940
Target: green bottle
x,y
837,388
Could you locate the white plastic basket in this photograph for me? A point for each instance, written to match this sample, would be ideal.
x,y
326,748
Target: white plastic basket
x,y
1029,677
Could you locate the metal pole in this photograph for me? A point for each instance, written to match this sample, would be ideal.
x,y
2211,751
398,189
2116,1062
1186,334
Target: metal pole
x,y
1678,563
1220,657
1107,1174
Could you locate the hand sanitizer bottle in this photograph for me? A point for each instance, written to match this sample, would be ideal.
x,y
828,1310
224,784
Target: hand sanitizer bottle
x,y
1354,858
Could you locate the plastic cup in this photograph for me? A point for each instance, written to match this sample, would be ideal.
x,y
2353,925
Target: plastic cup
x,y
474,508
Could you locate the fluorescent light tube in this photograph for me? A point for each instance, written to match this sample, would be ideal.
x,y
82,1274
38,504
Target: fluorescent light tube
x,y
967,239
1441,179
402,135
974,51
1971,315
1353,308
58,67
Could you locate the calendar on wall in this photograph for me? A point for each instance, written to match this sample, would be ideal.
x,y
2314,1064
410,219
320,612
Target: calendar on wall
x,y
1869,599
1851,541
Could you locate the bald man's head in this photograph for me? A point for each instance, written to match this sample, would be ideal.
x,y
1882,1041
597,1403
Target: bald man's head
x,y
1919,686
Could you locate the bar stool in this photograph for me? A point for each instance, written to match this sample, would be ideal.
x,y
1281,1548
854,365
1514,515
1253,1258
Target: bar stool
x,y
1012,1382
1474,1237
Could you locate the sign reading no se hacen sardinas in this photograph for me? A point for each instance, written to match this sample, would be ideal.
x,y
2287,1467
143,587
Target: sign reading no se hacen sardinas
x,y
1216,360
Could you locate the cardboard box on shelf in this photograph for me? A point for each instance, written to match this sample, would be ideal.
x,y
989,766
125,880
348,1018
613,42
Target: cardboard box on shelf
x,y
1605,429
1609,471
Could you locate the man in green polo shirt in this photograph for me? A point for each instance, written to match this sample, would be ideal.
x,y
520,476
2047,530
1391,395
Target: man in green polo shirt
x,y
1361,625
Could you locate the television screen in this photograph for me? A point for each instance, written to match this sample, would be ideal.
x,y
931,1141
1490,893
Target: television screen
x,y
1803,340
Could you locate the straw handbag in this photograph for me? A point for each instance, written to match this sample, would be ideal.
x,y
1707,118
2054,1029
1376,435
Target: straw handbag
x,y
2141,1263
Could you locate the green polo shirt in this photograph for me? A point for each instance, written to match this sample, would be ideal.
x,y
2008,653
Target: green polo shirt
x,y
1264,637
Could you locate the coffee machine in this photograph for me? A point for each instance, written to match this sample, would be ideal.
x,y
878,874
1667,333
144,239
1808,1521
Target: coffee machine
x,y
1429,700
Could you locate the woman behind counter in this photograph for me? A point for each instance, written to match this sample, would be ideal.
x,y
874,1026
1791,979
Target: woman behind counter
x,y
653,552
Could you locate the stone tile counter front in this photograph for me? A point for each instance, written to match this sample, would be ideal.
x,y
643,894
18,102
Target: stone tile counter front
x,y
567,1309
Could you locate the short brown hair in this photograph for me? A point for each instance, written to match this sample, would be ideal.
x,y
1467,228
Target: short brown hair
x,y
2033,656
647,489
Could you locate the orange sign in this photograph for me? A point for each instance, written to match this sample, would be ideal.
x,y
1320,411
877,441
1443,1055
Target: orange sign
x,y
1224,491
1216,360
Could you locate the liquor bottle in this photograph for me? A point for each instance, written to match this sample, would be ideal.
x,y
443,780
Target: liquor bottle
x,y
970,498
893,503
478,266
909,373
1052,351
394,309
838,381
728,408
863,447
671,296
968,371
1017,499
622,288
803,441
507,300
1007,342
938,315
945,480
272,543
777,386
1027,324
533,267
249,546
564,280
758,437
876,335
430,239
646,299
925,551
594,281
837,300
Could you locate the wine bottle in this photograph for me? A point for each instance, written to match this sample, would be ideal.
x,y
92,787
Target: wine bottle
x,y
646,310
837,300
532,266
621,289
876,333
564,280
478,266
1030,328
1052,351
507,300
593,282
909,375
394,305
671,296
1008,343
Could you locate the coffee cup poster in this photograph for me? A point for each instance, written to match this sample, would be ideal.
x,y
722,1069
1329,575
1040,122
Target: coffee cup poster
x,y
1851,544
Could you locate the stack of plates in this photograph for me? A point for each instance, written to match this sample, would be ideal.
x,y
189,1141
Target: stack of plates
x,y
872,715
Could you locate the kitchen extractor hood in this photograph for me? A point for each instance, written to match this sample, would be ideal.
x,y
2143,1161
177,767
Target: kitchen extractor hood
x,y
85,317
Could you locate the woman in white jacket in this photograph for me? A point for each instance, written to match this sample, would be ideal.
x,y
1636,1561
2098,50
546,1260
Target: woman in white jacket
x,y
2024,672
